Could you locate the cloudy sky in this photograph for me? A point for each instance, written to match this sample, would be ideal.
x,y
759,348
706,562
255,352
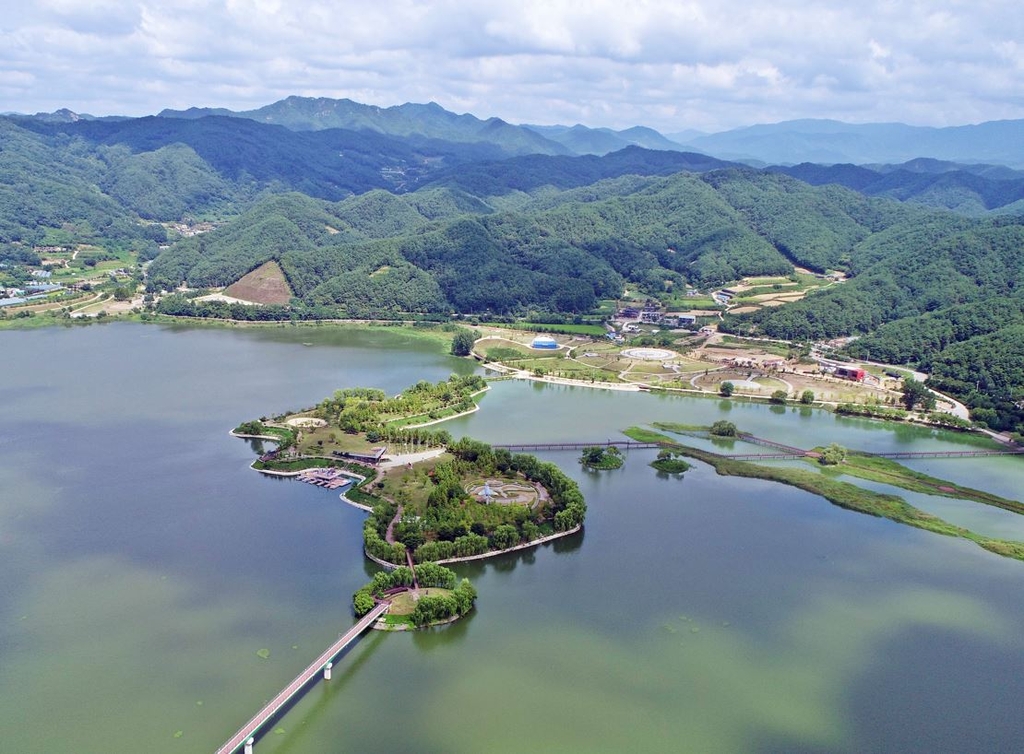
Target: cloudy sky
x,y
669,64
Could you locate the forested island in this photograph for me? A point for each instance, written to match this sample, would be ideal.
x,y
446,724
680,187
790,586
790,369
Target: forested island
x,y
430,499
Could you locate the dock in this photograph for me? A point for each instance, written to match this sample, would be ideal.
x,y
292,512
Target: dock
x,y
329,478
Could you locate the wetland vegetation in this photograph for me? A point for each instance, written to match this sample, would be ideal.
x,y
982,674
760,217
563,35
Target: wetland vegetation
x,y
851,496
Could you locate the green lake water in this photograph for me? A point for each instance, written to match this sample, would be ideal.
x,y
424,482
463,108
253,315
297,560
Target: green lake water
x,y
145,565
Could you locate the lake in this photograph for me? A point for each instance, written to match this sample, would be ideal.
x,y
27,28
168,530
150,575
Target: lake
x,y
145,566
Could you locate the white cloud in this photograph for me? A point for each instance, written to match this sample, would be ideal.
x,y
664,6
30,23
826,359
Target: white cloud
x,y
672,65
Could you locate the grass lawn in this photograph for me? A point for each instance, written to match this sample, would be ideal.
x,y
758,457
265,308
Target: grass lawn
x,y
404,603
412,486
333,439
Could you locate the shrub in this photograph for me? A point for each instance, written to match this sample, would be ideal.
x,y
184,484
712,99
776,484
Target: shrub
x,y
723,428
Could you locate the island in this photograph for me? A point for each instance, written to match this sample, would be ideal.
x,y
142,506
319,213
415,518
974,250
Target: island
x,y
431,499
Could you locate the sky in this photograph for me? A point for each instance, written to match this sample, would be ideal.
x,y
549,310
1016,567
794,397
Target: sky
x,y
672,65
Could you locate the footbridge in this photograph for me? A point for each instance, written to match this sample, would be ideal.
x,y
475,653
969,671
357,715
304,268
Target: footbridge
x,y
622,444
776,450
322,664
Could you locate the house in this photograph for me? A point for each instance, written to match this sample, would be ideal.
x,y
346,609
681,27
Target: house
x,y
373,457
42,287
680,319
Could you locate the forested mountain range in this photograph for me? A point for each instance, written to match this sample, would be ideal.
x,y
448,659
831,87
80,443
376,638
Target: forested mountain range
x,y
547,249
367,223
967,189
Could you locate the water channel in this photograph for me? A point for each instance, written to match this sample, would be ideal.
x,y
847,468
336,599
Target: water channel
x,y
145,566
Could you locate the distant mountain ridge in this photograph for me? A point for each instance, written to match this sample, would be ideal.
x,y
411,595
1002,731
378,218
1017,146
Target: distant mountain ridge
x,y
601,141
965,189
409,121
830,142
820,141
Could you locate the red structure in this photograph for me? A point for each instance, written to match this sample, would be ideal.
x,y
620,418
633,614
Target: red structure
x,y
850,373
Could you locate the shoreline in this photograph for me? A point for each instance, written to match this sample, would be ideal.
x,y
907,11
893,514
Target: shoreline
x,y
485,555
432,422
408,327
643,387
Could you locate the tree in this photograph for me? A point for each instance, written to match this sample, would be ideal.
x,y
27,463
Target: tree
x,y
723,428
362,601
505,536
916,394
833,455
807,397
599,457
462,342
779,397
726,389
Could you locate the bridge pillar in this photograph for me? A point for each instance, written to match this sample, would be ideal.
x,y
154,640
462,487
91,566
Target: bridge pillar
x,y
248,745
327,671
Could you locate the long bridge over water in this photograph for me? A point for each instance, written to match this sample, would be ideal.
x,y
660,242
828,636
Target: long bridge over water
x,y
245,735
575,445
782,452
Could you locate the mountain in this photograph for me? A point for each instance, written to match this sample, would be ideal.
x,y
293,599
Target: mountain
x,y
65,116
495,178
830,142
442,219
686,136
966,189
558,250
49,189
580,139
410,121
252,157
941,294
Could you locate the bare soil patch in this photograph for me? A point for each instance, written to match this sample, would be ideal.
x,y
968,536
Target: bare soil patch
x,y
264,285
